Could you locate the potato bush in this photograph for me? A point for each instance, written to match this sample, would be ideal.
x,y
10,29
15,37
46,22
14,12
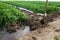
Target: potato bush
x,y
37,7
9,14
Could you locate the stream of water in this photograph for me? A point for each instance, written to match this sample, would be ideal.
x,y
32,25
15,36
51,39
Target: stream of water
x,y
4,35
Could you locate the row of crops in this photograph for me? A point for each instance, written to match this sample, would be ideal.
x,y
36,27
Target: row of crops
x,y
9,14
36,6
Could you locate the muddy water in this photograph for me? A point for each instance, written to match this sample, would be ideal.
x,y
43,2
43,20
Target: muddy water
x,y
14,36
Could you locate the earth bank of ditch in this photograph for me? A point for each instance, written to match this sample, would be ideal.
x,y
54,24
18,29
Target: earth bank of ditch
x,y
39,31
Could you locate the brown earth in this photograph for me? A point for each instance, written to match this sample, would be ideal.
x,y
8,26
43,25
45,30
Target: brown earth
x,y
47,33
50,32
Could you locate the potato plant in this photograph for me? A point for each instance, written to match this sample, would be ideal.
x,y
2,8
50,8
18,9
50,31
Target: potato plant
x,y
37,6
9,14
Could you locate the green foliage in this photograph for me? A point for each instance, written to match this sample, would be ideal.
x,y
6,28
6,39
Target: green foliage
x,y
9,14
56,38
51,9
37,7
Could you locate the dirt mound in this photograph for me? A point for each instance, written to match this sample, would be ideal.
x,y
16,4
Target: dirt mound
x,y
36,21
12,27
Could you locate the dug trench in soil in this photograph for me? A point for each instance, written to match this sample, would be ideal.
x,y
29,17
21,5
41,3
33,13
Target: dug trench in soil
x,y
34,23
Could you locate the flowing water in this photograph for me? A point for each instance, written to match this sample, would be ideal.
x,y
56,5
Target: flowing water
x,y
4,35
